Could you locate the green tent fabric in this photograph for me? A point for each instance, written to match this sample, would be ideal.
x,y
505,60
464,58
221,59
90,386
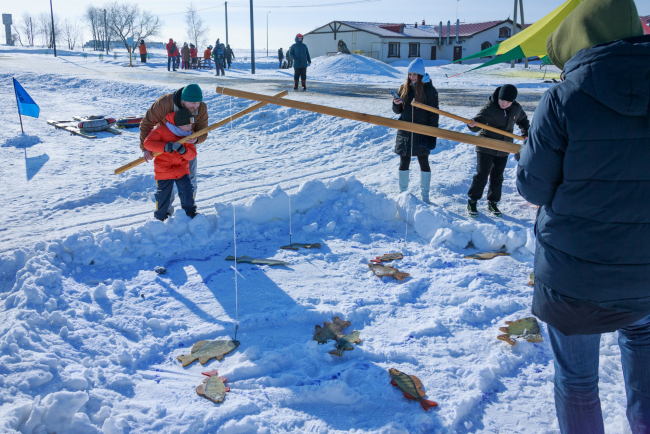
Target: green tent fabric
x,y
530,42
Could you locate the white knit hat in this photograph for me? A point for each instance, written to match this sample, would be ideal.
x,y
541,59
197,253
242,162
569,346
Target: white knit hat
x,y
417,66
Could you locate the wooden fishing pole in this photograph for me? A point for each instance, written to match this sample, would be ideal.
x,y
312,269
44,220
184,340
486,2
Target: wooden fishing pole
x,y
426,130
214,126
467,121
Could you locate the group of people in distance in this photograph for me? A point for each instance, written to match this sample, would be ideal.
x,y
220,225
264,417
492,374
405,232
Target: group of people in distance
x,y
584,164
188,57
501,111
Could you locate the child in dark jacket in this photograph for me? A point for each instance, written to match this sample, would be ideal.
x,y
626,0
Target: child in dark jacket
x,y
502,112
171,164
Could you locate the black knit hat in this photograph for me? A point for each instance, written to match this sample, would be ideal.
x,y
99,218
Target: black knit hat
x,y
183,117
508,93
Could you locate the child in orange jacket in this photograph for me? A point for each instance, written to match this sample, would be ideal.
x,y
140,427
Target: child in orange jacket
x,y
172,164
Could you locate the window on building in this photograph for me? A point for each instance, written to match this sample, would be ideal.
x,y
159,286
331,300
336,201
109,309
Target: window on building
x,y
414,50
484,46
504,32
393,49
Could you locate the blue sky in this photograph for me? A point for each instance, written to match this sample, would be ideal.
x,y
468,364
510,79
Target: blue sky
x,y
287,20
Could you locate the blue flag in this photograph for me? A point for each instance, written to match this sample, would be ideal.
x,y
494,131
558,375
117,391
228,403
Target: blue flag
x,y
26,105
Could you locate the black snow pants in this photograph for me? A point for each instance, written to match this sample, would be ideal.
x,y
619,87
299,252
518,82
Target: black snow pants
x,y
300,73
143,58
164,194
405,162
492,167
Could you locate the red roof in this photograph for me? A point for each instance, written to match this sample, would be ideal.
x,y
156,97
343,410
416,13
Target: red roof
x,y
646,24
392,27
474,28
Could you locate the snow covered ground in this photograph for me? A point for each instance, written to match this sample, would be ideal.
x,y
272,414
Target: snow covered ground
x,y
89,333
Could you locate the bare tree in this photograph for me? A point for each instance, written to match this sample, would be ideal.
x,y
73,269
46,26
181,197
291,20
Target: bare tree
x,y
16,36
196,30
127,21
44,28
71,32
26,26
94,19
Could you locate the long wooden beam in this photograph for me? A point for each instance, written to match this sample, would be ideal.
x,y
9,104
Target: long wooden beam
x,y
214,126
467,121
377,120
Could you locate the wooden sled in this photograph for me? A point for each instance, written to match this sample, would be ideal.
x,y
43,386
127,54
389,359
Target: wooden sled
x,y
71,129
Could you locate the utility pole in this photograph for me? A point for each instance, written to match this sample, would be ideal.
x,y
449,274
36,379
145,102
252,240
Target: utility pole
x,y
514,30
53,35
106,32
31,31
521,8
226,23
267,33
252,42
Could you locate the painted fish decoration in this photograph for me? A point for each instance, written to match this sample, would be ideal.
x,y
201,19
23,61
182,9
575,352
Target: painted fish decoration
x,y
345,343
487,255
213,387
532,279
206,350
385,270
411,386
262,261
330,331
387,257
526,328
296,246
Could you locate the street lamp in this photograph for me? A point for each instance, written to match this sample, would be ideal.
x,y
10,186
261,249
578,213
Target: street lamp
x,y
267,33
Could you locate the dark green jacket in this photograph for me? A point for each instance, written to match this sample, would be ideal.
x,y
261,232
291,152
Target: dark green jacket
x,y
300,54
422,145
493,115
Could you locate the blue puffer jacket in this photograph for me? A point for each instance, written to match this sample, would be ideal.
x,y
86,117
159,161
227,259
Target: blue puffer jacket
x,y
587,164
300,54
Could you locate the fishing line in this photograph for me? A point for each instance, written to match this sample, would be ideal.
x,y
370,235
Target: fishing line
x,y
234,228
288,195
408,202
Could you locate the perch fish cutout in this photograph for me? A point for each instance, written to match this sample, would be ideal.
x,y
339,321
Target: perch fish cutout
x,y
213,387
387,257
487,255
296,246
330,331
345,343
385,270
526,328
206,350
411,386
262,261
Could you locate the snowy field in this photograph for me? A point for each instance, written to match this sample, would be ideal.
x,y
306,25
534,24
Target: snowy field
x,y
89,333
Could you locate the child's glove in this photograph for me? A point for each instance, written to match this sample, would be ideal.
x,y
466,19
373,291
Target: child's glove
x,y
169,147
179,148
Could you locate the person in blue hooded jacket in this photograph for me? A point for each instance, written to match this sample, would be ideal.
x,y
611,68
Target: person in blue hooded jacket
x,y
299,53
418,87
586,165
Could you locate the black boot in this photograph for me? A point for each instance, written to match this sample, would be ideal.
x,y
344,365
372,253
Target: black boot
x,y
471,208
492,207
295,85
304,85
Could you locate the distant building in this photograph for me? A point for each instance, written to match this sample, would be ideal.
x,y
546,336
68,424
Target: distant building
x,y
390,42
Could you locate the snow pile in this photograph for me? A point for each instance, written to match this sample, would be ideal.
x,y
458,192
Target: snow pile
x,y
349,65
22,141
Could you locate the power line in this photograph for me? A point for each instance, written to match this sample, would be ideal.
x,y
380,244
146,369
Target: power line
x,y
243,5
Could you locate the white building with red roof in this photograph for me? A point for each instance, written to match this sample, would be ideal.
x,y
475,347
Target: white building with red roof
x,y
390,42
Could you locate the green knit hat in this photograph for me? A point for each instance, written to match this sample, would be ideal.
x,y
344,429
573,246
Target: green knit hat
x,y
591,23
192,93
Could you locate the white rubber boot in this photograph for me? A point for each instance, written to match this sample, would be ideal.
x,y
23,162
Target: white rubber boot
x,y
403,180
425,182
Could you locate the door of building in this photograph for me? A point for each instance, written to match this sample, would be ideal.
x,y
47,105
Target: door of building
x,y
458,53
433,52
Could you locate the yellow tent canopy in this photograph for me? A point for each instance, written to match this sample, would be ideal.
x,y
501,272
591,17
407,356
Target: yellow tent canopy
x,y
530,42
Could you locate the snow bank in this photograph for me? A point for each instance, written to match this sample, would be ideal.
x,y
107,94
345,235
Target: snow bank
x,y
22,141
349,65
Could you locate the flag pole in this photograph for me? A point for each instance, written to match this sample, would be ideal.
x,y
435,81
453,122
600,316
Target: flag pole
x,y
18,107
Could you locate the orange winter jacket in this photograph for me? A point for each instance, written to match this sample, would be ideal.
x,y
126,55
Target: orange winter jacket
x,y
169,165
207,54
143,49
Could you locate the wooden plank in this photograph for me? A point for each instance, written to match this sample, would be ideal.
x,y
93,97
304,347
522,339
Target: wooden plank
x,y
214,126
70,129
467,121
426,130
